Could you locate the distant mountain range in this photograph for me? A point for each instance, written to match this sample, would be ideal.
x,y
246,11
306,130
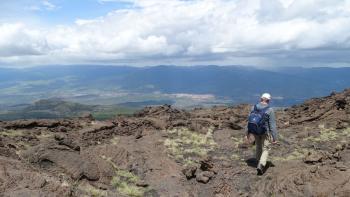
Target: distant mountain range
x,y
182,86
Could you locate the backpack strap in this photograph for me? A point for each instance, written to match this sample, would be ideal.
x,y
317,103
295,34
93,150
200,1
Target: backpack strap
x,y
265,109
261,110
255,108
268,117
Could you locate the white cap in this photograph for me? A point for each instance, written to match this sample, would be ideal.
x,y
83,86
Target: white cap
x,y
266,96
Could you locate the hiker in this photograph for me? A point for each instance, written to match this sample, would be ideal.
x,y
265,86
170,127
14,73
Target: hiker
x,y
262,125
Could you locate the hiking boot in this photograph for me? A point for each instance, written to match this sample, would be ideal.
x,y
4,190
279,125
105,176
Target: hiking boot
x,y
260,170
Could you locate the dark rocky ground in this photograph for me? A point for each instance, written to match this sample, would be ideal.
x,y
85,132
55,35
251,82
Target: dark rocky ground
x,y
162,151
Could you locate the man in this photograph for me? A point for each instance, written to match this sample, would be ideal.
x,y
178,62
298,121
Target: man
x,y
266,135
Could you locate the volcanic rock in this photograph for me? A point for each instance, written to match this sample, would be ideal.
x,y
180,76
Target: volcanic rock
x,y
190,172
313,157
204,177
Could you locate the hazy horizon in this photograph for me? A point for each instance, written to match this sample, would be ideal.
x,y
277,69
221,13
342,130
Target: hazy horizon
x,y
268,68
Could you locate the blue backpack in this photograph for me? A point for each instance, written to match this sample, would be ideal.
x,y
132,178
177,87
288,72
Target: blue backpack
x,y
257,121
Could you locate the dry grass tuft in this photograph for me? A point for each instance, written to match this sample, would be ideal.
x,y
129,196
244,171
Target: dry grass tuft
x,y
186,146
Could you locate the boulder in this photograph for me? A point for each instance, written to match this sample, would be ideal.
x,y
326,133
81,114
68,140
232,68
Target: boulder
x,y
313,157
190,172
204,177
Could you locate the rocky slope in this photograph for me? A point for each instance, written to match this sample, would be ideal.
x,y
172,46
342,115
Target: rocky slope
x,y
162,151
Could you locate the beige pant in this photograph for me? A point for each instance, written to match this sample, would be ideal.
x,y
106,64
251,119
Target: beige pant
x,y
262,143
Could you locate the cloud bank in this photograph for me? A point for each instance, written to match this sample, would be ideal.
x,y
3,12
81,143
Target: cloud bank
x,y
254,32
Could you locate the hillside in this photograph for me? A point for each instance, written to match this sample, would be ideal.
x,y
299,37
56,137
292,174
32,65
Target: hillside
x,y
58,108
164,151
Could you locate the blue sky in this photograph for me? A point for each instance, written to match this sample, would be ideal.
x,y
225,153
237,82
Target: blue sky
x,y
57,12
69,10
177,32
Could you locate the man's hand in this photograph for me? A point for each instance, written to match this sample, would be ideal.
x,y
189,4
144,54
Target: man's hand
x,y
274,142
247,139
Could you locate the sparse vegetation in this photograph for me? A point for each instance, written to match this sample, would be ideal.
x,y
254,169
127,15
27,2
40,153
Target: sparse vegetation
x,y
235,156
44,136
97,192
237,141
295,155
346,132
328,134
114,140
125,181
185,145
87,189
12,133
126,187
25,145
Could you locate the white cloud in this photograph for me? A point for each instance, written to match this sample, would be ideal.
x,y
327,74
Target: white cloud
x,y
278,32
17,40
48,5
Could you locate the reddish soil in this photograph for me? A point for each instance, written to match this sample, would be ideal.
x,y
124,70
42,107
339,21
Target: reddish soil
x,y
84,157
